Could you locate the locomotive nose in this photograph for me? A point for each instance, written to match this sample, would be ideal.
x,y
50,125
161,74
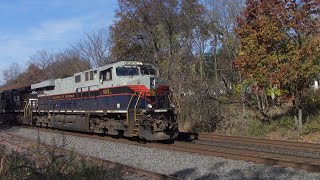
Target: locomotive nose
x,y
156,82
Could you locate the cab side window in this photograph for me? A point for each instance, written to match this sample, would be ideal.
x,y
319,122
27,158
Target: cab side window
x,y
77,79
106,75
86,77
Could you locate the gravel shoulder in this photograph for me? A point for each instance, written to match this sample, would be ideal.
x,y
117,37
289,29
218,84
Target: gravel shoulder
x,y
40,157
183,165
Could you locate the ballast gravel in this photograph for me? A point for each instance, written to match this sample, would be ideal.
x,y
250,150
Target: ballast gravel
x,y
183,165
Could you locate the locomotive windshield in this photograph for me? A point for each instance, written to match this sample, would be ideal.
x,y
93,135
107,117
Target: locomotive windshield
x,y
127,71
147,70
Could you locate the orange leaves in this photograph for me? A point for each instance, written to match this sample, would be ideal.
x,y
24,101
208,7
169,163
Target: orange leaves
x,y
280,42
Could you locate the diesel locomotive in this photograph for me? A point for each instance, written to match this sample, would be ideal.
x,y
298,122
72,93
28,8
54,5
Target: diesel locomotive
x,y
123,98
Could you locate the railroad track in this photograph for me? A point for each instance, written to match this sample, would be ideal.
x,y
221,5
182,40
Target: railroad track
x,y
126,168
271,158
312,147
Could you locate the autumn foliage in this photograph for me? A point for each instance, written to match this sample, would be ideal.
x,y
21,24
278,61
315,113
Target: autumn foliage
x,y
280,44
216,55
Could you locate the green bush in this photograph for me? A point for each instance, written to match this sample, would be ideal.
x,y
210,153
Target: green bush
x,y
17,166
311,126
287,123
259,129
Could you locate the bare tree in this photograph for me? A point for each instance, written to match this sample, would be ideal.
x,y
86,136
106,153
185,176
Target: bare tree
x,y
94,47
59,64
11,74
32,74
43,58
222,17
69,62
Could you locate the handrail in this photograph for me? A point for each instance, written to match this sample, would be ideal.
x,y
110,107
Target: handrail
x,y
135,108
25,112
128,122
137,101
130,101
135,113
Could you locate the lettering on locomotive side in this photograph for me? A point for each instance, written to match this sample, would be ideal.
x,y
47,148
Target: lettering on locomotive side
x,y
69,96
64,96
58,97
106,91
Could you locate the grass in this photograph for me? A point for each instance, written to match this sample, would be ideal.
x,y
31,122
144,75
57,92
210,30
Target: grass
x,y
259,129
50,164
285,127
236,122
311,125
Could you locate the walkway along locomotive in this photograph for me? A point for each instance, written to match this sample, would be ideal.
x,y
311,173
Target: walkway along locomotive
x,y
123,98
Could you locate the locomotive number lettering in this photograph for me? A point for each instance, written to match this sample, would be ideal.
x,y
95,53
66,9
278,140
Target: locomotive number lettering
x,y
106,91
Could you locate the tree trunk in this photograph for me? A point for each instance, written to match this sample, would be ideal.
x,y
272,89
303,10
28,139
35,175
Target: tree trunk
x,y
243,105
300,119
258,102
242,98
266,100
298,111
201,66
263,102
216,74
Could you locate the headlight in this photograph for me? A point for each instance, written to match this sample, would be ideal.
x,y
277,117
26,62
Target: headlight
x,y
149,106
172,105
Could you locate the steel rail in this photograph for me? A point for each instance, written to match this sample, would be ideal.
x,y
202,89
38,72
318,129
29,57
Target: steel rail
x,y
248,157
271,158
312,147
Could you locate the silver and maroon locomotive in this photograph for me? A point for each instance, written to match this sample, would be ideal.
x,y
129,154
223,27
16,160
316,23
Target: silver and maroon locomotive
x,y
123,98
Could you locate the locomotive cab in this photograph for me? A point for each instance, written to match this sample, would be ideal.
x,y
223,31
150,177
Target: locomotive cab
x,y
159,121
150,114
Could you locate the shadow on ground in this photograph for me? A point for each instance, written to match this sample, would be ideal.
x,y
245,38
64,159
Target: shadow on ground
x,y
221,170
8,127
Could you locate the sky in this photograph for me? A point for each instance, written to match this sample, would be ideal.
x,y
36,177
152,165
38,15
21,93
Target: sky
x,y
27,26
